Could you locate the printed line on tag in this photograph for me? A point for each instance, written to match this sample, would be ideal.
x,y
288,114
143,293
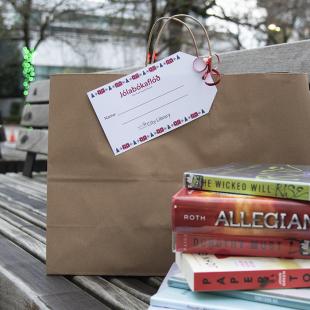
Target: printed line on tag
x,y
164,105
139,105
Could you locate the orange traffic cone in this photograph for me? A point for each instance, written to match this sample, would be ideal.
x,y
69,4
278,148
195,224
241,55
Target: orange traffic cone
x,y
12,138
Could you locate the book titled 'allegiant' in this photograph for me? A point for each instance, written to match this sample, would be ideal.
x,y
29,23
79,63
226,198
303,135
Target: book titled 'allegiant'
x,y
239,215
281,181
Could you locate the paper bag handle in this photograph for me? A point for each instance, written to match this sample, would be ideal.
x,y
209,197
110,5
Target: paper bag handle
x,y
174,18
152,31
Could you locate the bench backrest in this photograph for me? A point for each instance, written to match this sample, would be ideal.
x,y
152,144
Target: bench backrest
x,y
288,57
33,136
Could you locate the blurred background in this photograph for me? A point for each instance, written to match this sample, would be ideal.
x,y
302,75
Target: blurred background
x,y
43,37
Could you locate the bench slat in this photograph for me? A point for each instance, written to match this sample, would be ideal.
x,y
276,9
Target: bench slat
x,y
18,197
15,190
39,91
24,284
35,115
29,228
109,293
34,189
17,194
153,281
287,57
22,211
35,140
135,287
99,287
37,183
39,177
23,240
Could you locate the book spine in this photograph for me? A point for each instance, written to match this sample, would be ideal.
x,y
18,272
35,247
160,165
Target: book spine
x,y
254,187
257,296
252,280
242,246
170,304
266,298
238,217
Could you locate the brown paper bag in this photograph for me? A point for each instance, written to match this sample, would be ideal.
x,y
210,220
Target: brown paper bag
x,y
109,214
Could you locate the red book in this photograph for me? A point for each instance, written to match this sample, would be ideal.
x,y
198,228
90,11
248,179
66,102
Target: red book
x,y
239,215
219,273
241,246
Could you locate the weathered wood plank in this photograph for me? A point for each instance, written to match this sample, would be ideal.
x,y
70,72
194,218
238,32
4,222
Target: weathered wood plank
x,y
15,202
23,191
287,57
33,140
39,177
37,183
23,240
137,288
25,185
21,199
109,293
24,285
153,281
112,292
27,227
35,115
25,213
97,286
39,91
8,194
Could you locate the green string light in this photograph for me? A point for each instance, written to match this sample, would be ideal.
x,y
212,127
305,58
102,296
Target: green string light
x,y
28,69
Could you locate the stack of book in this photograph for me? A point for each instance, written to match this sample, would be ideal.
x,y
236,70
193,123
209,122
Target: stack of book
x,y
241,235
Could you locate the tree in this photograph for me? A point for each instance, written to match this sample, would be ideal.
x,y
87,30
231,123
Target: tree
x,y
286,20
10,72
198,8
232,24
267,22
35,17
145,13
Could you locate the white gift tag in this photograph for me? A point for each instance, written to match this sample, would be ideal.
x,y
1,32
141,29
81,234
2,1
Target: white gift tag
x,y
152,101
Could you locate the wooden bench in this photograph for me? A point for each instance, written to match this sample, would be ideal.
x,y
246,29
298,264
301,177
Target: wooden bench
x,y
23,283
33,137
10,159
35,121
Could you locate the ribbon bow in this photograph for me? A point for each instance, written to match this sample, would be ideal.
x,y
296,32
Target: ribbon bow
x,y
204,66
